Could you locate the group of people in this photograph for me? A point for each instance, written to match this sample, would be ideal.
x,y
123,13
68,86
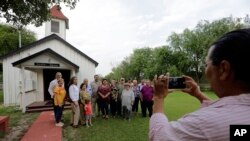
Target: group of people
x,y
116,99
226,71
79,98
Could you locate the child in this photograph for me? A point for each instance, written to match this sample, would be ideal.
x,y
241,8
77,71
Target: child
x,y
60,94
88,112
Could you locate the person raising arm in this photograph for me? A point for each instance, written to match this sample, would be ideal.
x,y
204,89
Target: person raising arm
x,y
229,78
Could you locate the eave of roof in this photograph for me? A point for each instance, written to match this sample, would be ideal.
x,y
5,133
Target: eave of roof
x,y
48,50
50,37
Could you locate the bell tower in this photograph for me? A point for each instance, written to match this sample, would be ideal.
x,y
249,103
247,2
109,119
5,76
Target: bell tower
x,y
58,23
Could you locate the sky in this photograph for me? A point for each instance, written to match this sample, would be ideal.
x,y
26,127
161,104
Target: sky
x,y
108,31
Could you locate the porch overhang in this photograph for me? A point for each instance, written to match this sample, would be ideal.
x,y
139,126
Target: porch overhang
x,y
45,59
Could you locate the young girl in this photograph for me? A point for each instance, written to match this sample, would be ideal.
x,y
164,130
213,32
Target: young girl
x,y
60,94
88,112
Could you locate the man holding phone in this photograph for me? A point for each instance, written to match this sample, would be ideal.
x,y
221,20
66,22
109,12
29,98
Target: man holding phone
x,y
229,77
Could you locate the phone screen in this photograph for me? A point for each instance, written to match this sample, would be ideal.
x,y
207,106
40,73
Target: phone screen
x,y
176,83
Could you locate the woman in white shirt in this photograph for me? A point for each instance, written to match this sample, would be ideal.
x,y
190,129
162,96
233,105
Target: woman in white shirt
x,y
74,96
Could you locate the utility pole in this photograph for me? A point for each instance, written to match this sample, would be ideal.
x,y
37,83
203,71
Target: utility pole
x,y
19,28
20,38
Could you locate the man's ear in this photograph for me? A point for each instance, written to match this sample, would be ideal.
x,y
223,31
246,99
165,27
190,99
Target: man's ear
x,y
224,70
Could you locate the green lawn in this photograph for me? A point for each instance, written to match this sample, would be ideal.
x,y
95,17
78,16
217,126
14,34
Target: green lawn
x,y
177,104
18,123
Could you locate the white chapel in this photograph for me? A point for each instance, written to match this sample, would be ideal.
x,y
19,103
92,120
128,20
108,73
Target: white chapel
x,y
28,70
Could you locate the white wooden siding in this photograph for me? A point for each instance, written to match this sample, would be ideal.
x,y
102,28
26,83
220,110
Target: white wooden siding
x,y
12,79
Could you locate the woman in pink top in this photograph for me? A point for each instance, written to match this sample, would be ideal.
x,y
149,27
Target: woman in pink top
x,y
104,97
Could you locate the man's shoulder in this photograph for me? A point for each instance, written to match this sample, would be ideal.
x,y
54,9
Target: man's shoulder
x,y
54,81
95,83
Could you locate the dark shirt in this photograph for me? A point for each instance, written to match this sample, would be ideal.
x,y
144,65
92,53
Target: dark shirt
x,y
147,93
104,91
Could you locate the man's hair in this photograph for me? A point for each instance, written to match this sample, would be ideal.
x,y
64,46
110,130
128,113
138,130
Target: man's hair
x,y
234,47
58,73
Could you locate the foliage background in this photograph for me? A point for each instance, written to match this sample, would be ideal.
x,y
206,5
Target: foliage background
x,y
184,53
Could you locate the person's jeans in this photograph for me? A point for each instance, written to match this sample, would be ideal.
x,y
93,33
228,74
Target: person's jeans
x,y
147,105
104,108
113,107
119,108
135,105
126,112
58,113
54,107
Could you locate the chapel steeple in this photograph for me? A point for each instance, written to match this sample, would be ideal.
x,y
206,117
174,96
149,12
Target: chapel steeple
x,y
58,24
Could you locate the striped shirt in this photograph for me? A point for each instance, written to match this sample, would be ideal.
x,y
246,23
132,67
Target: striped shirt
x,y
208,123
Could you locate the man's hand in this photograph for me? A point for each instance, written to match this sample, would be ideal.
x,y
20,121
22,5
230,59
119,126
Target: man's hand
x,y
192,86
161,86
194,89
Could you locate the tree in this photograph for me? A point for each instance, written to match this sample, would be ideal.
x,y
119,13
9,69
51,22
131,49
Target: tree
x,y
185,53
194,43
24,12
9,38
139,61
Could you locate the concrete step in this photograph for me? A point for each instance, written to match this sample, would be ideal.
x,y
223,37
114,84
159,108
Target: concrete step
x,y
39,109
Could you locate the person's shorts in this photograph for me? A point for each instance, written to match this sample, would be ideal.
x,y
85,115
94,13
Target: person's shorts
x,y
88,117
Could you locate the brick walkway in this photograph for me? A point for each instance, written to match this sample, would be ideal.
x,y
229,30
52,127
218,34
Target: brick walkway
x,y
44,129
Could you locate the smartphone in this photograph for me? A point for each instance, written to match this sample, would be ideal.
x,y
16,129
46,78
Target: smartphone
x,y
176,83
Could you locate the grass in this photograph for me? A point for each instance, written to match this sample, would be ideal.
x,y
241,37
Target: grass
x,y
111,130
18,122
177,104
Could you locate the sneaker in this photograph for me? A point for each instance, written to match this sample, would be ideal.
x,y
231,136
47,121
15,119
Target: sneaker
x,y
59,124
87,126
91,124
